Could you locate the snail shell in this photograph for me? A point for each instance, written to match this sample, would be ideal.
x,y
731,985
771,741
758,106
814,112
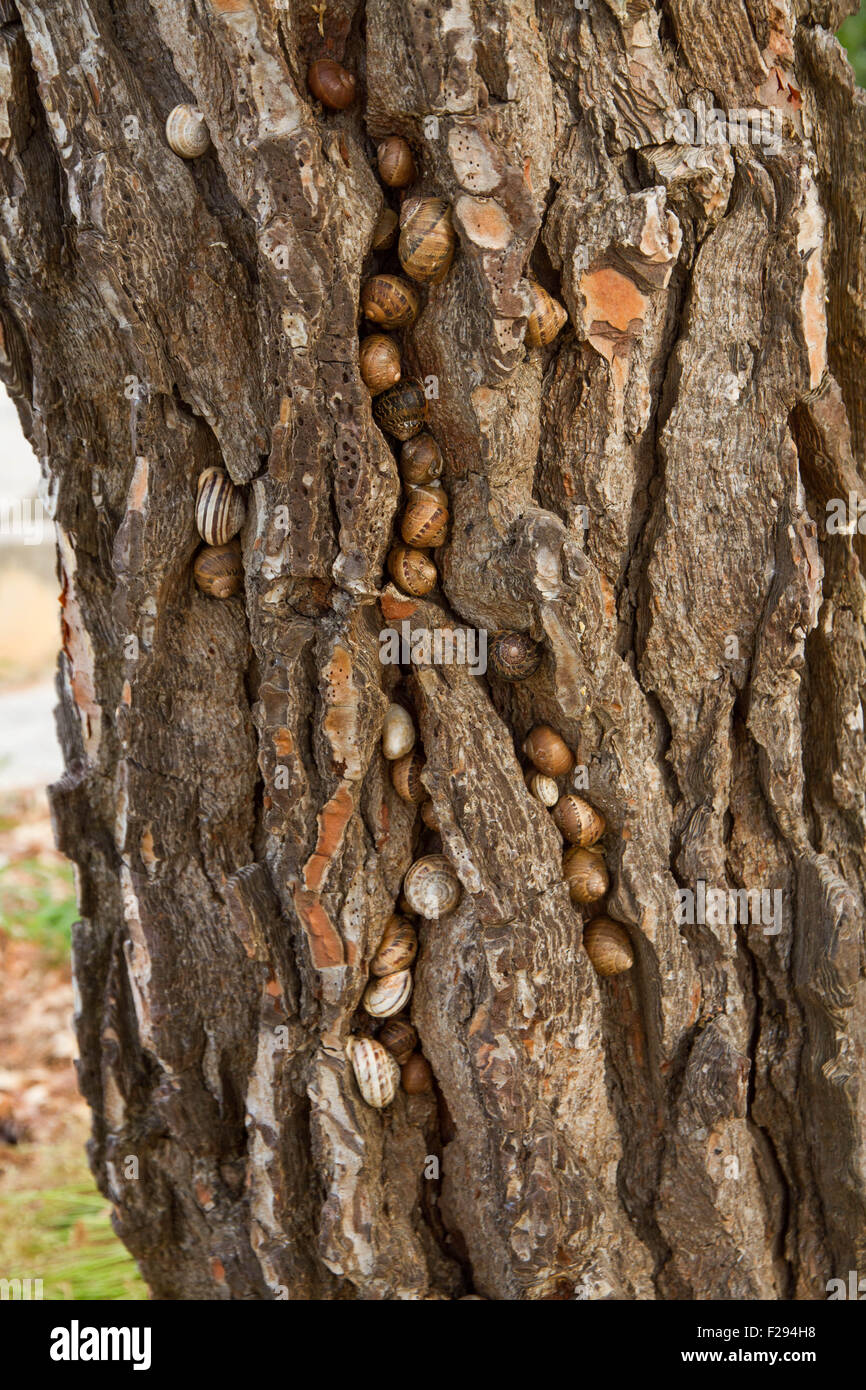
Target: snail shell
x,y
416,1075
546,317
400,1038
548,752
402,411
514,656
425,520
379,358
580,823
428,815
412,570
186,132
385,230
396,165
398,733
406,777
431,887
390,300
219,508
543,788
331,84
586,874
608,946
218,569
420,460
388,995
376,1071
397,949
427,239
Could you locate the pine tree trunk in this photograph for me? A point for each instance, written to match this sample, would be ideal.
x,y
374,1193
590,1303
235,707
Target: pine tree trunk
x,y
647,498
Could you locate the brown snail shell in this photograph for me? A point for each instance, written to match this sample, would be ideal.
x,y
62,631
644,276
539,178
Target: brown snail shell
x,y
219,508
379,358
406,777
427,239
186,132
586,874
218,569
543,788
546,317
402,410
398,733
396,165
431,887
331,83
416,1075
420,460
376,1071
608,946
548,752
412,570
390,300
514,656
400,1038
580,823
428,815
387,995
397,949
425,520
385,230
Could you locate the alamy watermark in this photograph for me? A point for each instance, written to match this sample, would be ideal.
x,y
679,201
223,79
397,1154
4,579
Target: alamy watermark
x,y
440,646
22,520
854,1289
741,126
719,907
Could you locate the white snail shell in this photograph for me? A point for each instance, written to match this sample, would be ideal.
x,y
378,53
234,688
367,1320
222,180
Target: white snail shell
x,y
186,131
398,733
376,1071
431,887
543,788
386,996
219,507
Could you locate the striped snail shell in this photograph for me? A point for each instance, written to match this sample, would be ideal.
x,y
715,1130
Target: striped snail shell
x,y
398,733
416,1075
385,230
548,752
406,777
219,508
397,949
402,411
412,570
428,815
514,656
379,358
390,301
376,1071
218,569
400,1038
427,239
425,520
331,83
396,165
608,946
388,995
186,132
420,460
431,887
580,823
546,317
586,874
543,788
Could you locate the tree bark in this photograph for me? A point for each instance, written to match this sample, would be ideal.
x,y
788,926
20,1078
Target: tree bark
x,y
647,498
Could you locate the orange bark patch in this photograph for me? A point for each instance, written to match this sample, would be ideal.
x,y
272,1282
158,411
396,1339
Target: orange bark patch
x,y
333,819
612,298
284,744
396,607
326,947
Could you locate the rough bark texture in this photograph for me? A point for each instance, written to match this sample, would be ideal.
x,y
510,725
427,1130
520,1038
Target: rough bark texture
x,y
694,1128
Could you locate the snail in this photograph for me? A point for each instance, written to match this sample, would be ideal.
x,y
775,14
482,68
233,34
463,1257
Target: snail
x,y
420,460
390,301
397,949
331,84
186,132
579,822
416,1075
428,815
431,887
387,995
398,733
514,656
219,507
218,569
586,874
546,317
412,570
402,410
427,239
425,520
548,752
396,165
608,946
385,230
379,358
400,1038
543,788
376,1071
406,777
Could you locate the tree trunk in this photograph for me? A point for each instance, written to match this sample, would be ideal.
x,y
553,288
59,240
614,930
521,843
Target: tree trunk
x,y
647,497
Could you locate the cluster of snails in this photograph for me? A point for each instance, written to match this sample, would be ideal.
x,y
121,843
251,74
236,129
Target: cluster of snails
x,y
582,826
220,510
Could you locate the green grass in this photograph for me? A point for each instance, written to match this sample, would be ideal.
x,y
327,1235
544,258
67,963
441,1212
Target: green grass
x,y
37,903
853,36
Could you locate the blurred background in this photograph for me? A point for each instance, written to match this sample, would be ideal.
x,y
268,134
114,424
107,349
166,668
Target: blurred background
x,y
54,1225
